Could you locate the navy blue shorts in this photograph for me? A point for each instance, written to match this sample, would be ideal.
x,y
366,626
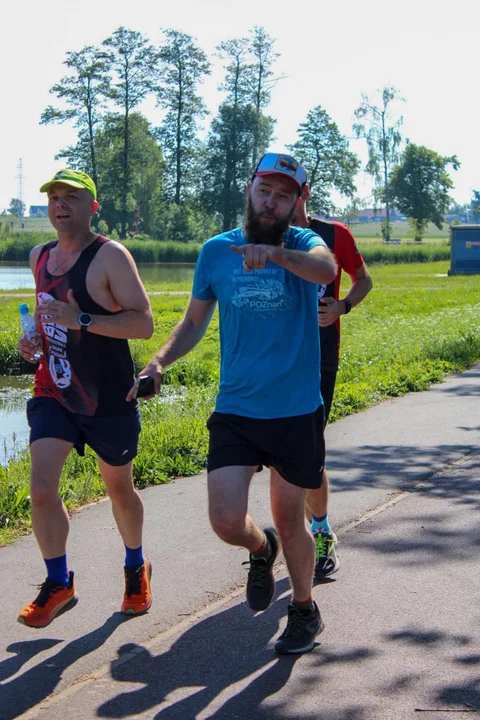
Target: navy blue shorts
x,y
114,439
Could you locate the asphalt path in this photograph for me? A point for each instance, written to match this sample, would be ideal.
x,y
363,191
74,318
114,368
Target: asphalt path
x,y
402,618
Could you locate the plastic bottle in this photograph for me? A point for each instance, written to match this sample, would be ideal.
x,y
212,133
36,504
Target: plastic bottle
x,y
29,330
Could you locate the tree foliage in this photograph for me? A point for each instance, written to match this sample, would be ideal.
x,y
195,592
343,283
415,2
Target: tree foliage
x,y
182,67
16,208
420,186
260,80
241,132
382,133
83,92
132,61
228,159
324,153
475,205
146,167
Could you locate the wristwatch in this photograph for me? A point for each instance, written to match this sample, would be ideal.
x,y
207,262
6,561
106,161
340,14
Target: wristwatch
x,y
85,320
348,306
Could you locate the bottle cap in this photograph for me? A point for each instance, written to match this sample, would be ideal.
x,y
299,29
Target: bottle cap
x,y
23,309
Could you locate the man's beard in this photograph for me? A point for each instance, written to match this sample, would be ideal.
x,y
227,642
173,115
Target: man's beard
x,y
265,234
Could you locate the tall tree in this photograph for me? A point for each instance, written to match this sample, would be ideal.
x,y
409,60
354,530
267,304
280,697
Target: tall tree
x,y
146,166
16,208
83,91
182,67
420,186
261,80
231,136
133,61
227,128
325,154
382,133
240,132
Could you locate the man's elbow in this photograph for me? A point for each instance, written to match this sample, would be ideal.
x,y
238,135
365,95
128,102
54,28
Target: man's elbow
x,y
145,327
328,270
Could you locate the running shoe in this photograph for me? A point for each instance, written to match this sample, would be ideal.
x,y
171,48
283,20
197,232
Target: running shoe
x,y
50,600
138,594
261,583
326,560
303,626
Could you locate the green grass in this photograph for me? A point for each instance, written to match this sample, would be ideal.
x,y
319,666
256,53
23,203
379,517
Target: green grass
x,y
31,224
416,326
374,252
401,230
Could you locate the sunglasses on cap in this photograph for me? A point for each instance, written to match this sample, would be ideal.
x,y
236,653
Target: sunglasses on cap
x,y
276,164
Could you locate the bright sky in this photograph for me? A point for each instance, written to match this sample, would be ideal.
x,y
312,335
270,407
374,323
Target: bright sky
x,y
331,53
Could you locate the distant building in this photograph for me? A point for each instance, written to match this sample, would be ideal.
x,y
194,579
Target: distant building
x,y
38,211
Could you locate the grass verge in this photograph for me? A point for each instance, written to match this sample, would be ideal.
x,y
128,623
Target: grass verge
x,y
416,326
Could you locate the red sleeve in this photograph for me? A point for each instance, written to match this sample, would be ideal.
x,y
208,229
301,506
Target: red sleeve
x,y
348,255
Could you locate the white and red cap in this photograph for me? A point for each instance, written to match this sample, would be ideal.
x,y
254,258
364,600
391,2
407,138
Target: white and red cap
x,y
278,164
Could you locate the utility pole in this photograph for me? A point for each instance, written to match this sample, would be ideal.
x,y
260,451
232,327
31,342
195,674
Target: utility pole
x,y
20,180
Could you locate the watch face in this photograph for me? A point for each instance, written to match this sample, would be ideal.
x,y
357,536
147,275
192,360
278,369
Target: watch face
x,y
85,319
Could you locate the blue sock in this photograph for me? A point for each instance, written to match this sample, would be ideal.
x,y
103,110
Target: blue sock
x,y
134,558
320,523
57,570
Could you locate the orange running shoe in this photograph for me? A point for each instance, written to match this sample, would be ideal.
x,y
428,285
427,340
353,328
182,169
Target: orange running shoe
x,y
50,600
138,594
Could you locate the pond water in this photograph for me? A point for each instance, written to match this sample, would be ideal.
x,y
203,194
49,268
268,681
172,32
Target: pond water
x,y
15,276
14,393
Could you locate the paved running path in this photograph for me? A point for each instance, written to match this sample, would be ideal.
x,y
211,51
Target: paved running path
x,y
402,615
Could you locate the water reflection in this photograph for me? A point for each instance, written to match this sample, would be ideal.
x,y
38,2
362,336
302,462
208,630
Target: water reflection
x,y
14,393
14,276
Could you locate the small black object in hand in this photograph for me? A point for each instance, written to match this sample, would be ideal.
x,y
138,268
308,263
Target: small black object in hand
x,y
145,386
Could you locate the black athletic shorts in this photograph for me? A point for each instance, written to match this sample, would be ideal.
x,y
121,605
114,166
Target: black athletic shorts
x,y
294,446
114,438
327,387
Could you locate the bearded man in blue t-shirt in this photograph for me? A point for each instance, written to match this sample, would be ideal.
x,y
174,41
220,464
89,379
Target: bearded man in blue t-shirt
x,y
269,411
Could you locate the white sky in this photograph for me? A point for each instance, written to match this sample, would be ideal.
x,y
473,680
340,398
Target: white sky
x,y
331,53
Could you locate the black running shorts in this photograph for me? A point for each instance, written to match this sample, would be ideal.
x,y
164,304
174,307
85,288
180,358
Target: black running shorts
x,y
294,446
327,387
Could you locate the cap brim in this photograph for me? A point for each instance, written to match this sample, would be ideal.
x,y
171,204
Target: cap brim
x,y
46,187
262,173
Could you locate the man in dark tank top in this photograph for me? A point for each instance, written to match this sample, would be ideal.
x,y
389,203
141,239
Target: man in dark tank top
x,y
90,302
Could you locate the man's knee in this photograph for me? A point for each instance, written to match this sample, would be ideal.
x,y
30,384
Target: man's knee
x,y
43,494
122,493
227,523
289,526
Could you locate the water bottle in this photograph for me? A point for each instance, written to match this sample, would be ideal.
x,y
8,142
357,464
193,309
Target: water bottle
x,y
29,330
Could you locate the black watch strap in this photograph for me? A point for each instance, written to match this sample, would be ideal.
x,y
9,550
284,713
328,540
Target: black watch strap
x,y
348,306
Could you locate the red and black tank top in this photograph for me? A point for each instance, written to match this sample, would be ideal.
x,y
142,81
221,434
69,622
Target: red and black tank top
x,y
341,242
87,373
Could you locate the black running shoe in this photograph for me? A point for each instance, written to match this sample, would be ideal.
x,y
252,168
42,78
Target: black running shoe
x,y
261,583
303,626
326,560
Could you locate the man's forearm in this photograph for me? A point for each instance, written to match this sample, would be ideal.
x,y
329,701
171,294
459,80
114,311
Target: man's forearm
x,y
358,291
316,267
125,325
183,338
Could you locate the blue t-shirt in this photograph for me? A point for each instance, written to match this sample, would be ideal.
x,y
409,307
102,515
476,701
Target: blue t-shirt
x,y
269,341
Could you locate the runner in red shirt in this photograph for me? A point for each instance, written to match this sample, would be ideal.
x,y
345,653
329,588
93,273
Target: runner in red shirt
x,y
341,242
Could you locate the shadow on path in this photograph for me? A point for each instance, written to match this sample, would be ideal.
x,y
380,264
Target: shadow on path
x,y
34,685
227,654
